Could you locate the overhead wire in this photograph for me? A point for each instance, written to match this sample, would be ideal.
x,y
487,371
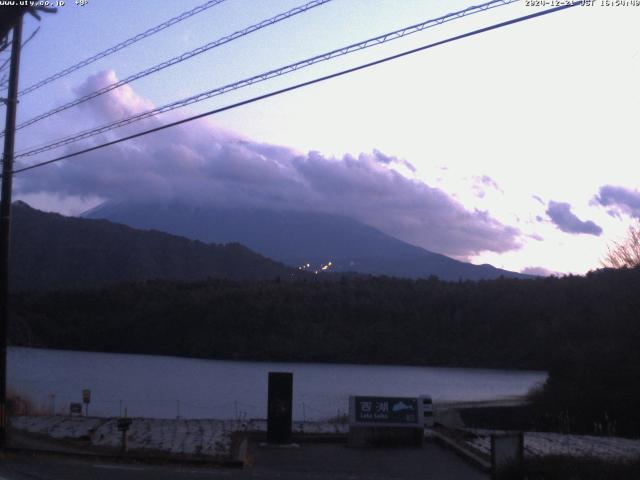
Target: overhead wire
x,y
121,45
176,60
378,40
301,85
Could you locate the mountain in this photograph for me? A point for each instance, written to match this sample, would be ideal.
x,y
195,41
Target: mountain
x,y
297,238
53,251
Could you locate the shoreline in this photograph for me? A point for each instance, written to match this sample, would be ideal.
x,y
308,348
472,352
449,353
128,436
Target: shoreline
x,y
478,368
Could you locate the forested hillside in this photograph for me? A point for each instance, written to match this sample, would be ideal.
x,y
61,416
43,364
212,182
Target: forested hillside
x,y
502,323
50,251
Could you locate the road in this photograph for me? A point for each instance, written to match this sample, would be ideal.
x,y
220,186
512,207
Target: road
x,y
310,461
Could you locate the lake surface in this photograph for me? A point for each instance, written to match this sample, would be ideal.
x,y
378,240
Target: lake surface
x,y
165,387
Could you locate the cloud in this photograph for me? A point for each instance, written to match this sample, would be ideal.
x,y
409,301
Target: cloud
x,y
201,162
480,182
538,271
488,181
560,214
623,200
119,103
389,160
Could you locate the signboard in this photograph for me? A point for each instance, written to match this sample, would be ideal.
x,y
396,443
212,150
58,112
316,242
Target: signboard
x,y
386,411
86,395
75,408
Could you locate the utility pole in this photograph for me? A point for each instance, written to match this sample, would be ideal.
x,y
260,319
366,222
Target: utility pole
x,y
5,217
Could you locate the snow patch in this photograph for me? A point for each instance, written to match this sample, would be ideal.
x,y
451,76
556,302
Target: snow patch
x,y
177,436
540,444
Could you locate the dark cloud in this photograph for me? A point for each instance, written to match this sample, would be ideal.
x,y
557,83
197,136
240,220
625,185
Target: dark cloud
x,y
560,214
202,163
623,200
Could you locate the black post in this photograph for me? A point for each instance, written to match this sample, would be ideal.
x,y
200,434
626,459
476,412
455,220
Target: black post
x,y
279,408
5,219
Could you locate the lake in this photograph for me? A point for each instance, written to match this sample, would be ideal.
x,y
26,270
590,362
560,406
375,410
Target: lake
x,y
167,387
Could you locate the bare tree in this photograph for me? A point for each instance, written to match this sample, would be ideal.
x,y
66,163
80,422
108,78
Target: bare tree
x,y
625,253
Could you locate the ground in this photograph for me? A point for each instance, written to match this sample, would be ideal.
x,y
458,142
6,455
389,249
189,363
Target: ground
x,y
540,444
213,438
191,449
309,461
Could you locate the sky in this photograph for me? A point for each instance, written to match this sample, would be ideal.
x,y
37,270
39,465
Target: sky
x,y
517,147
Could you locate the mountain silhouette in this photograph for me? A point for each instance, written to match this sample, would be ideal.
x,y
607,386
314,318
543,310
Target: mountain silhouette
x,y
51,251
298,238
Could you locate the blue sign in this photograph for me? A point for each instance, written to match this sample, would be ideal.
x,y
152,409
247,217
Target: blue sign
x,y
390,411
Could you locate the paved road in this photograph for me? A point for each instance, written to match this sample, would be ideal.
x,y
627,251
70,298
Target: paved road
x,y
331,461
314,462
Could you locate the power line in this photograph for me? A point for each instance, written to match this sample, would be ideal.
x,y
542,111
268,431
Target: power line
x,y
300,85
176,60
121,45
269,75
